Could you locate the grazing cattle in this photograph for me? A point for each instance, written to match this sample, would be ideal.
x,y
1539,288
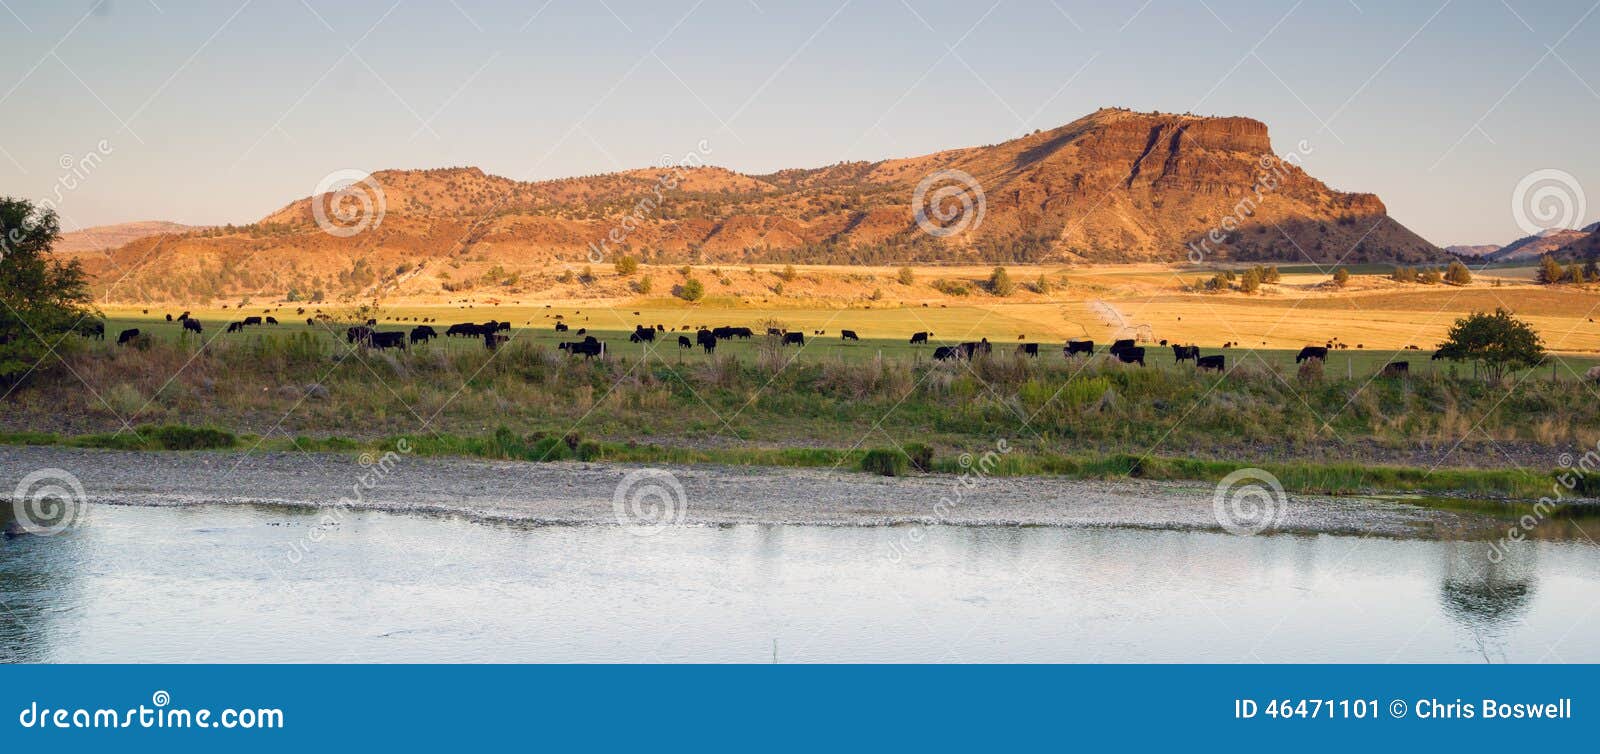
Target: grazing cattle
x,y
499,326
381,340
944,353
921,337
192,325
169,317
684,342
184,315
1311,352
1132,355
583,331
794,339
706,339
252,320
372,323
660,327
848,335
589,347
96,330
1215,363
310,322
1085,347
493,341
127,335
463,329
970,349
1121,345
272,320
562,327
1163,341
1185,353
642,334
422,334
774,331
1396,369
1030,350
743,333
235,326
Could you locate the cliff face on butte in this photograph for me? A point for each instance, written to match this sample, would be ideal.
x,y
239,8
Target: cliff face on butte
x,y
1114,186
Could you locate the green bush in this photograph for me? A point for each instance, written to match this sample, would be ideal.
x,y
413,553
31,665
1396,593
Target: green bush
x,y
888,462
921,456
179,437
589,450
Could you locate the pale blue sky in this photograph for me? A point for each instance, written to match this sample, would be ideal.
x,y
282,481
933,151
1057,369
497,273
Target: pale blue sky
x,y
223,111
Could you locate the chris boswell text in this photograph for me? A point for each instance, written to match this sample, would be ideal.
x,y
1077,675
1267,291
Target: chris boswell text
x,y
1420,709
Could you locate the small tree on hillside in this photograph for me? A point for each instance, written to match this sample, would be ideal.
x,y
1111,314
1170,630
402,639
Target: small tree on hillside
x,y
1341,277
1550,271
1000,282
1497,342
691,290
906,276
1251,282
627,265
1458,274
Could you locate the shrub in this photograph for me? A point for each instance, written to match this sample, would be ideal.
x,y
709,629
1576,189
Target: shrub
x,y
642,285
627,265
921,456
787,274
906,276
1000,283
1341,277
1458,274
179,437
951,287
886,461
690,290
1310,372
589,450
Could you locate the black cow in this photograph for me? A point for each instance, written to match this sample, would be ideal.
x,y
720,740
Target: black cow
x,y
561,327
127,335
1121,345
494,340
589,347
1085,347
684,342
169,317
706,339
252,320
1030,350
381,340
642,334
422,334
794,339
722,333
192,325
971,349
184,315
272,320
235,326
1320,353
1215,363
743,333
96,330
310,322
945,353
464,329
774,331
1131,355
1185,353
848,335
1396,369
921,337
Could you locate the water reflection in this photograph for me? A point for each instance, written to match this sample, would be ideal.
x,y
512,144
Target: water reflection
x,y
243,584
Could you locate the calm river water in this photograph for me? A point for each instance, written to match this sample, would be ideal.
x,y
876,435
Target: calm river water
x,y
241,584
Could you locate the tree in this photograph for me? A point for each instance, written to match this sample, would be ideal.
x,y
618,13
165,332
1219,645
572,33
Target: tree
x,y
1591,271
627,265
1341,277
1458,274
1430,276
1000,282
1404,275
1497,342
691,290
1251,282
906,276
44,298
787,274
1550,271
1575,273
1271,274
1042,285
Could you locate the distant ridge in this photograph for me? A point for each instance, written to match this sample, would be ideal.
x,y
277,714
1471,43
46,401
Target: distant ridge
x,y
1113,186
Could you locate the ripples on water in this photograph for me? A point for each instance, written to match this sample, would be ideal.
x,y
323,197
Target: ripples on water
x,y
234,584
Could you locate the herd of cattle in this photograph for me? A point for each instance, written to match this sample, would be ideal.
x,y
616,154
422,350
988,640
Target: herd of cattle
x,y
494,334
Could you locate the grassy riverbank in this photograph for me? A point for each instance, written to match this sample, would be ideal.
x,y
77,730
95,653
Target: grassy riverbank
x,y
1296,477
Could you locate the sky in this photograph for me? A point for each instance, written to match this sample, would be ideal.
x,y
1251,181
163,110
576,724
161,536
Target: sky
x,y
226,110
